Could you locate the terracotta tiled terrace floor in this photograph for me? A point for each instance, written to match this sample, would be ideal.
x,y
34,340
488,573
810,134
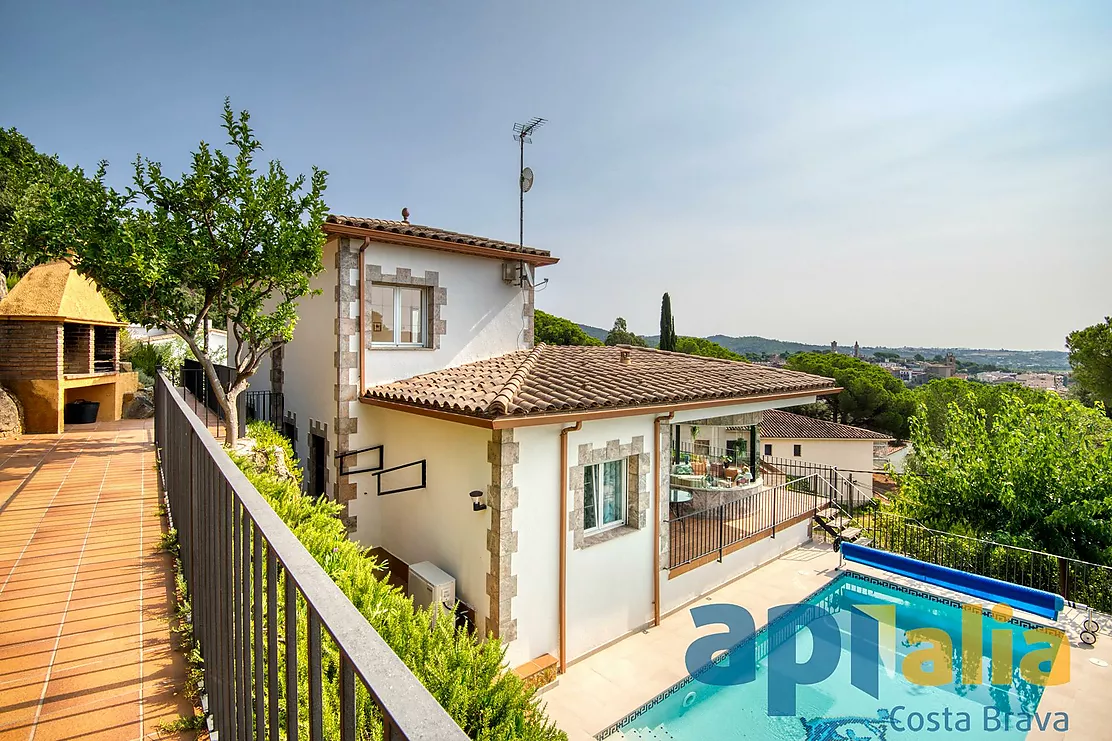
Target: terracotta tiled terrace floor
x,y
85,595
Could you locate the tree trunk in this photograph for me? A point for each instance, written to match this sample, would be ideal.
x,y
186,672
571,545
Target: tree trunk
x,y
231,412
3,284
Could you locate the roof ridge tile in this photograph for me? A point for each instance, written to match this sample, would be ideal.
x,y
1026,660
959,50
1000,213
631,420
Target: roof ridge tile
x,y
505,397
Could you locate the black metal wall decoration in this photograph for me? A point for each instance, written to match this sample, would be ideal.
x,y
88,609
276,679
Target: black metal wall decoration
x,y
343,455
378,477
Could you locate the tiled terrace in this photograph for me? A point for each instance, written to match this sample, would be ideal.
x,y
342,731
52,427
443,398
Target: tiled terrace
x,y
85,595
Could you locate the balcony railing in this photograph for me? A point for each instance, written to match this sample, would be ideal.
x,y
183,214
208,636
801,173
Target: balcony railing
x,y
759,513
848,488
260,602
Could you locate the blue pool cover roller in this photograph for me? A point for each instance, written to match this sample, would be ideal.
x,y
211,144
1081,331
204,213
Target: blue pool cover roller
x,y
1034,601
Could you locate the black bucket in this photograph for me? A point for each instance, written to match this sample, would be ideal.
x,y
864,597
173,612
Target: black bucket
x,y
81,412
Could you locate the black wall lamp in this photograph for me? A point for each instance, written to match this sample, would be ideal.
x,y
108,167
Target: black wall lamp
x,y
477,501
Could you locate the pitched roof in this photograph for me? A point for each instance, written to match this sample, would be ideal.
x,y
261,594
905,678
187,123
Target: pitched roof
x,y
557,378
389,228
776,423
57,291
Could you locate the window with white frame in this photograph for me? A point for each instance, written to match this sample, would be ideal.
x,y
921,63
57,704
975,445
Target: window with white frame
x,y
399,316
604,496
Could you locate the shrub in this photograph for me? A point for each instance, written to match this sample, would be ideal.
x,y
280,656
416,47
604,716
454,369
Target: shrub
x,y
465,674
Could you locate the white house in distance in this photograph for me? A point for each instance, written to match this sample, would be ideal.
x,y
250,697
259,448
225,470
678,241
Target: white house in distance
x,y
797,439
540,478
850,449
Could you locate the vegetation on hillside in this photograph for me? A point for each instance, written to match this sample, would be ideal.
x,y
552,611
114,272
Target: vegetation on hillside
x,y
706,348
1090,352
620,335
871,397
23,172
555,330
1015,466
465,673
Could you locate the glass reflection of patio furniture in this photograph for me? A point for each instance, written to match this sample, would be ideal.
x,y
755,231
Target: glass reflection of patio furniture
x,y
678,499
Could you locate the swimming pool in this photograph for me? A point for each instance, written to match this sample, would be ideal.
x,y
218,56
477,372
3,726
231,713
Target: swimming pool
x,y
834,709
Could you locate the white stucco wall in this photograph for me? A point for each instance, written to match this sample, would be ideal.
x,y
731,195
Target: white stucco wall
x,y
609,585
483,314
436,523
850,456
309,361
675,593
537,561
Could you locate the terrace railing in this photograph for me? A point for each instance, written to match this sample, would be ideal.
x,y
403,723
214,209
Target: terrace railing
x,y
259,603
1078,581
263,405
848,488
695,535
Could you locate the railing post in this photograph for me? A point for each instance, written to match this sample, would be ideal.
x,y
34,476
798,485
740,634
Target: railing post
x,y
1063,578
721,530
775,496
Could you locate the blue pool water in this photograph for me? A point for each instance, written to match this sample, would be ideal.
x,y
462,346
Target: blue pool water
x,y
835,710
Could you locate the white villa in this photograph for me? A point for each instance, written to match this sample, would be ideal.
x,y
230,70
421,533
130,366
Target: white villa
x,y
544,480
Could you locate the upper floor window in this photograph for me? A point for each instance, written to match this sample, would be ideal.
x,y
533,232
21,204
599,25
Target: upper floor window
x,y
399,316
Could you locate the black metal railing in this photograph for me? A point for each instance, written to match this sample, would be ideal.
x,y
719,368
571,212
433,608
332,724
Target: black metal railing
x,y
1077,581
693,535
259,602
851,489
264,406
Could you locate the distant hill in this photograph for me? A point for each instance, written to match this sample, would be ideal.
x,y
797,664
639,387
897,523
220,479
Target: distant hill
x,y
1020,360
597,333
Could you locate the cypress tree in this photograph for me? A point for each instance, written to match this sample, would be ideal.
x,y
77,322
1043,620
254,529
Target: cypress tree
x,y
667,325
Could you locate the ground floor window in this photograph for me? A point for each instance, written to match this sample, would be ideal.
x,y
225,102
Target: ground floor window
x,y
604,496
768,449
797,450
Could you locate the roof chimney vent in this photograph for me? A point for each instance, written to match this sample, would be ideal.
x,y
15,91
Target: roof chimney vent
x,y
405,215
623,357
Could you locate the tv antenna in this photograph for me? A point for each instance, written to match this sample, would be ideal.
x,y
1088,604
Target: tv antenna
x,y
523,132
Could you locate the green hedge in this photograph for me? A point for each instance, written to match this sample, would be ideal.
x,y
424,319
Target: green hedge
x,y
464,673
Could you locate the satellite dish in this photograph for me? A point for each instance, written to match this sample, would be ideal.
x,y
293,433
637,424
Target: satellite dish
x,y
526,179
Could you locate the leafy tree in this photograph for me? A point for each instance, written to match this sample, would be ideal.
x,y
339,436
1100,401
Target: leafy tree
x,y
934,399
704,347
1090,353
620,335
1036,472
555,330
919,357
22,171
871,397
223,241
667,325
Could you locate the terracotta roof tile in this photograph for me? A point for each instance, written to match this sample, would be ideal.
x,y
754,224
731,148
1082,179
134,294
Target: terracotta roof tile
x,y
552,378
429,232
777,423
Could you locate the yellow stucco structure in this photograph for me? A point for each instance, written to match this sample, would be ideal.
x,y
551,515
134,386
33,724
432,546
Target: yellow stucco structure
x,y
59,342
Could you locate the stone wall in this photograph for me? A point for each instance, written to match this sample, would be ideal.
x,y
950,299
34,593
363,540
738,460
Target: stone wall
x,y
503,453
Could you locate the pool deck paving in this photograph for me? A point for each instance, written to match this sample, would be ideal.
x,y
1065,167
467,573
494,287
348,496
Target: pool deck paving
x,y
602,688
85,594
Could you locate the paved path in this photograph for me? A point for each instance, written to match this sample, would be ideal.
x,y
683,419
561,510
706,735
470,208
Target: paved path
x,y
85,596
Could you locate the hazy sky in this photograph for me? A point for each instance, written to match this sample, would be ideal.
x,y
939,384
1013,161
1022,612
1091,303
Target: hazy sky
x,y
894,173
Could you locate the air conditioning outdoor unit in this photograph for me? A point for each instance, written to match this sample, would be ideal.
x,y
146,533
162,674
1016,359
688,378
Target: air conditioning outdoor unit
x,y
429,585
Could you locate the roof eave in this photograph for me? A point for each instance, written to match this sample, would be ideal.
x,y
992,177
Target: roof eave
x,y
551,418
443,245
